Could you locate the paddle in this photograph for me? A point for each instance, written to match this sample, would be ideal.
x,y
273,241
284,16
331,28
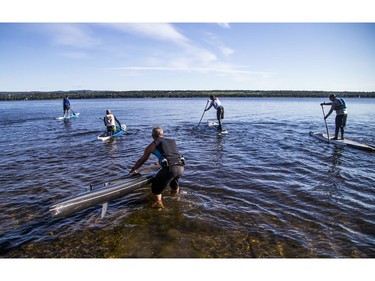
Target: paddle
x,y
203,113
325,121
72,111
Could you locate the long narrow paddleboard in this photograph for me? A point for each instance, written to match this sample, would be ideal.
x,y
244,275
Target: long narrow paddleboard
x,y
108,192
68,117
345,142
214,125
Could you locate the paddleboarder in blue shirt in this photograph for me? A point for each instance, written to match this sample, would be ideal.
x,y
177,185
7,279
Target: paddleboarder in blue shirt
x,y
66,106
339,105
219,110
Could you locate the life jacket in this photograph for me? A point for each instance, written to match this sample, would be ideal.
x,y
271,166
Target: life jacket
x,y
167,153
109,120
343,103
341,109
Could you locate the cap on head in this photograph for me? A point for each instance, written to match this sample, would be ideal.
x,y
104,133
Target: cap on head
x,y
108,111
157,132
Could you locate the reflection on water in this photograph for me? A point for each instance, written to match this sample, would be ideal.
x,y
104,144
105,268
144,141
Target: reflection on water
x,y
266,189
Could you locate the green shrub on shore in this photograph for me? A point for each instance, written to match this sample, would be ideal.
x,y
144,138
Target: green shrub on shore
x,y
87,94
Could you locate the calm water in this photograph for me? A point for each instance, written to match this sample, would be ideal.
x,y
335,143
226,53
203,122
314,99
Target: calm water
x,y
267,189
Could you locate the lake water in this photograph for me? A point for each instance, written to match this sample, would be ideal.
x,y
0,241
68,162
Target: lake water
x,y
266,189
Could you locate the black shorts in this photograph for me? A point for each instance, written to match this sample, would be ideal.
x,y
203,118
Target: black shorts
x,y
341,120
111,129
220,113
167,175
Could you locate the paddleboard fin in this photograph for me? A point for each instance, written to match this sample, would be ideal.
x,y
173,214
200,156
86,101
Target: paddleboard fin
x,y
104,209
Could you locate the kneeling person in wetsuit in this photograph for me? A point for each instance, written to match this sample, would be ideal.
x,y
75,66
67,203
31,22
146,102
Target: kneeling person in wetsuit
x,y
170,160
110,122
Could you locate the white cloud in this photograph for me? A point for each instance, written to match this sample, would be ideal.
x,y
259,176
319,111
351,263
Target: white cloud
x,y
185,55
223,24
226,50
214,41
156,31
223,69
74,35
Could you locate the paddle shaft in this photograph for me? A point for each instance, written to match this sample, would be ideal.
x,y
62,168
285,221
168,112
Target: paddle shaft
x,y
203,114
325,121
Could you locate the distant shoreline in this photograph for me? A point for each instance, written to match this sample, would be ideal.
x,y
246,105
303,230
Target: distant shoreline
x,y
88,94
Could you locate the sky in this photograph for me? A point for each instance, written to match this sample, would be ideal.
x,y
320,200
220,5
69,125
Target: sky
x,y
162,55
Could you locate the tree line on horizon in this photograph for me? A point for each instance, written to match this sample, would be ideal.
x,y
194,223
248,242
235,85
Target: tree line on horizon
x,y
88,94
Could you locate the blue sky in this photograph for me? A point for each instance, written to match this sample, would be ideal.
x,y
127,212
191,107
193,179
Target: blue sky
x,y
187,56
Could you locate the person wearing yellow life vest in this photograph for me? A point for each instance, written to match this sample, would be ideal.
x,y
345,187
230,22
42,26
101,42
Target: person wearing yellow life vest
x,y
110,122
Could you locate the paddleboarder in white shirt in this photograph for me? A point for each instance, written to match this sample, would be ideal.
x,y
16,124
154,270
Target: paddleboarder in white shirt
x,y
215,102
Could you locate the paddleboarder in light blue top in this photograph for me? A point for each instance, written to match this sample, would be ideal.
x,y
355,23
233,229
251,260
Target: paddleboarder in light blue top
x,y
339,105
219,110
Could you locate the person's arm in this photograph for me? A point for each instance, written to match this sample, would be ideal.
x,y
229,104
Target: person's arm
x,y
330,111
209,106
119,123
326,103
149,149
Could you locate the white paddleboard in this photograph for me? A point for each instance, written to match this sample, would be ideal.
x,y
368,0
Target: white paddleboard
x,y
345,142
68,117
213,124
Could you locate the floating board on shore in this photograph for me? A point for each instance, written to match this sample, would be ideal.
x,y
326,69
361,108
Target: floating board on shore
x,y
214,125
102,195
345,142
71,116
120,132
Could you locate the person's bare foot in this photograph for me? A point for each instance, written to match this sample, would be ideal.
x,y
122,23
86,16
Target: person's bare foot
x,y
158,205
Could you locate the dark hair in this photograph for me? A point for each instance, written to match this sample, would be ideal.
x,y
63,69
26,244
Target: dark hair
x,y
157,132
331,96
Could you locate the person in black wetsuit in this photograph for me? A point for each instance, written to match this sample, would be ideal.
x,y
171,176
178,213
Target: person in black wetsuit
x,y
339,105
171,161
